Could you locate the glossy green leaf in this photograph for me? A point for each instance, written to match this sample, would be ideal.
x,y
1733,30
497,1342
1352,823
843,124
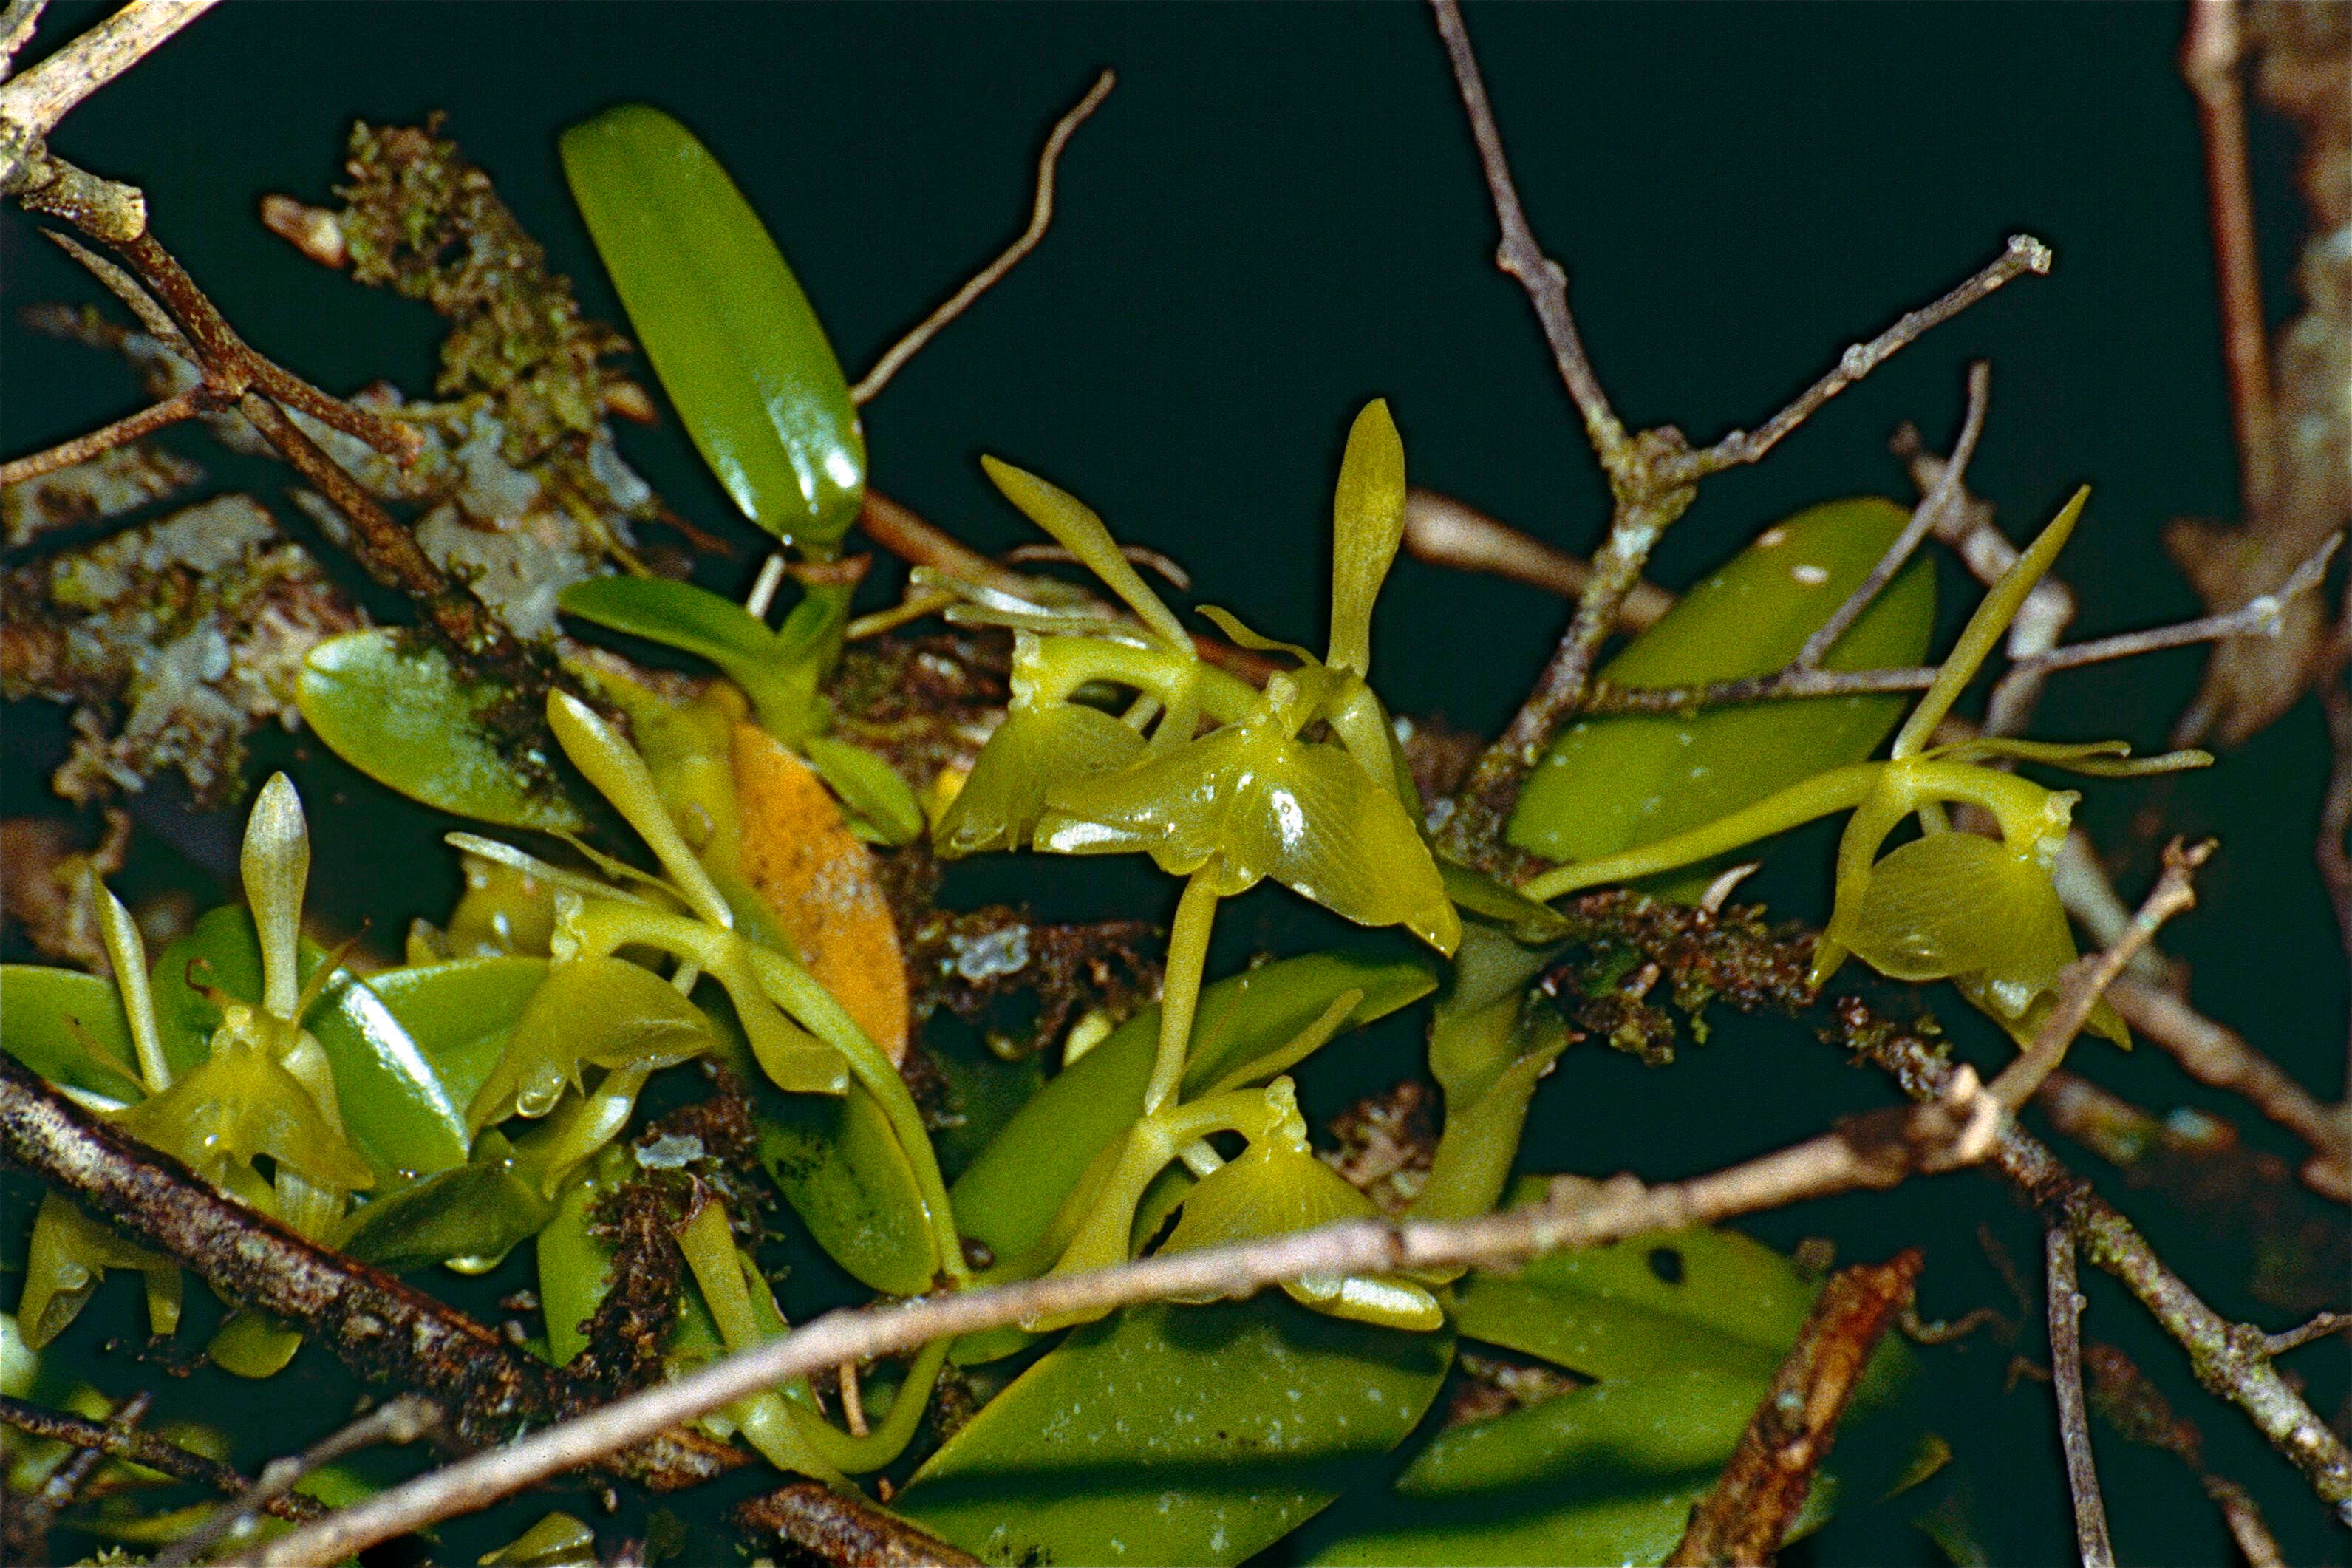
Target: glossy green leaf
x,y
696,621
1177,1434
476,1214
460,1012
880,807
842,1169
571,1262
724,321
1605,1474
1010,1194
403,718
1615,783
1630,1307
396,1107
69,1028
1683,1328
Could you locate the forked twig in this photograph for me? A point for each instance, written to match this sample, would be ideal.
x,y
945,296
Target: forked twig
x,y
1041,215
1445,531
33,102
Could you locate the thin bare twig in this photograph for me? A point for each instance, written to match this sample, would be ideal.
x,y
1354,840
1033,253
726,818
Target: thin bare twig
x,y
2022,255
145,1448
131,427
34,1518
31,104
2257,618
1444,532
1041,215
1934,507
2128,1400
2319,1328
1519,255
2087,980
1771,1472
2073,1414
1652,474
1874,1150
2211,54
404,1419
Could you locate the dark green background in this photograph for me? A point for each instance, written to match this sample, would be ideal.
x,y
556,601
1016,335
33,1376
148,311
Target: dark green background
x,y
1277,215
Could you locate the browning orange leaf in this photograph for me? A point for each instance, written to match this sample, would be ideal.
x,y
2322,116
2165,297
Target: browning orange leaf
x,y
820,880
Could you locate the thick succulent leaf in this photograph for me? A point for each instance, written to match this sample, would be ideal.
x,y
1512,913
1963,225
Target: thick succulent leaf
x,y
1008,1196
395,1104
1033,751
69,1028
1177,1434
842,1171
476,1214
1367,525
724,321
1613,784
1628,1309
1604,1474
403,718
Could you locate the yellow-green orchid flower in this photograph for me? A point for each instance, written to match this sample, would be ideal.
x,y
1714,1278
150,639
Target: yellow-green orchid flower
x,y
1981,912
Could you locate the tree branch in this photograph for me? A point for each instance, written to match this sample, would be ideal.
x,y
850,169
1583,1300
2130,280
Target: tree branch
x,y
1746,1517
2073,1415
122,431
845,1529
374,1324
1877,1151
145,1448
31,104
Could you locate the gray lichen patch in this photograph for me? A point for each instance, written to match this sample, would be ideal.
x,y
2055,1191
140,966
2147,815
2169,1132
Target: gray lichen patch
x,y
106,485
174,641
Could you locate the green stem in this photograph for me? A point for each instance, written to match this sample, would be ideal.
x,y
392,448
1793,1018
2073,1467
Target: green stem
x,y
857,1456
797,992
1180,996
